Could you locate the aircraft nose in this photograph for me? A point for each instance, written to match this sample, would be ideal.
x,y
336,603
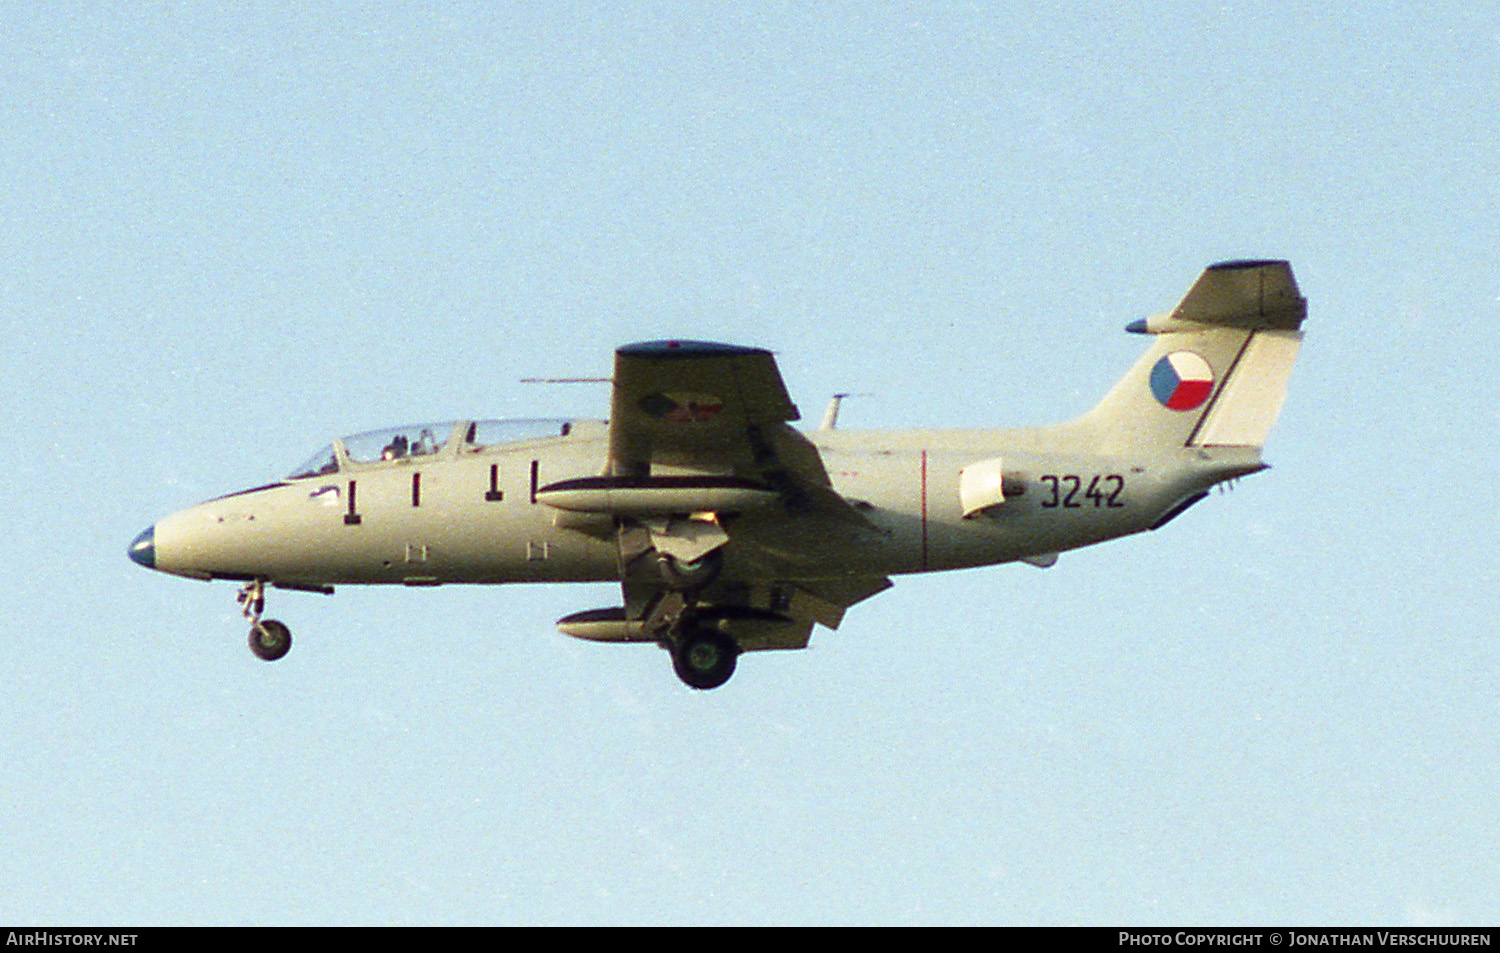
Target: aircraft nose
x,y
143,548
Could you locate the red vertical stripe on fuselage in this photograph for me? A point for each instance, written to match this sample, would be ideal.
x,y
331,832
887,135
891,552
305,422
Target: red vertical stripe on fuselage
x,y
924,510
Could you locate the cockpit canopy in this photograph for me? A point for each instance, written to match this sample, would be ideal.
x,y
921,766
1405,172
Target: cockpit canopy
x,y
417,440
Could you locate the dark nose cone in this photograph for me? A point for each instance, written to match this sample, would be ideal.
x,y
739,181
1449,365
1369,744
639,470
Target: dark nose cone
x,y
143,550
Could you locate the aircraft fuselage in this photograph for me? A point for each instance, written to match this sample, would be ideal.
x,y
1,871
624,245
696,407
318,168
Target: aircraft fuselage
x,y
475,517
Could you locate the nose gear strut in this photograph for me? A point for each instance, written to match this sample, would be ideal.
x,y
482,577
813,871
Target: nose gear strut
x,y
269,639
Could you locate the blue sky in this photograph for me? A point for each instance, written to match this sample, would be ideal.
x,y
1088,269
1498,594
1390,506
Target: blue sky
x,y
229,233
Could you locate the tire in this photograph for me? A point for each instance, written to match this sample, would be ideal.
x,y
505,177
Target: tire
x,y
705,658
689,577
270,640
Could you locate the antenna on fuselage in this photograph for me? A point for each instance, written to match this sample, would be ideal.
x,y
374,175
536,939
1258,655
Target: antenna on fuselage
x,y
831,415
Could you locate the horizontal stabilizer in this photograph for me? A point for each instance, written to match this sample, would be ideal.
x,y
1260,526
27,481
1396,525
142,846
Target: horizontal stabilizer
x,y
1250,295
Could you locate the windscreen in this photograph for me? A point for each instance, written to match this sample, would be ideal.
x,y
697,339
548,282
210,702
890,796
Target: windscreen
x,y
324,461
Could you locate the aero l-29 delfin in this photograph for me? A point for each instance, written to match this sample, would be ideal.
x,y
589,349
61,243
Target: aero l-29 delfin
x,y
729,530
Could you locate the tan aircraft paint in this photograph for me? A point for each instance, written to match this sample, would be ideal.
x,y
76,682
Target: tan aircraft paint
x,y
890,502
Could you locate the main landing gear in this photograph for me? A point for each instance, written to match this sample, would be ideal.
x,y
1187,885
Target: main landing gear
x,y
269,639
704,658
690,576
703,655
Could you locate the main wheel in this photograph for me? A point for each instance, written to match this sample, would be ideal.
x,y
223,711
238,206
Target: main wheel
x,y
705,658
270,640
682,576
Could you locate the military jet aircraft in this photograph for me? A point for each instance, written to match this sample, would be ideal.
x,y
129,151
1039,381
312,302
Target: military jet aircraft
x,y
729,530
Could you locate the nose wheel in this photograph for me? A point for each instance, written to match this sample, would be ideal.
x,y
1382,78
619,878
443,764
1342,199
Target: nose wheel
x,y
269,638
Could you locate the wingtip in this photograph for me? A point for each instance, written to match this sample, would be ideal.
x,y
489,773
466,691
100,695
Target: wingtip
x,y
1235,264
678,348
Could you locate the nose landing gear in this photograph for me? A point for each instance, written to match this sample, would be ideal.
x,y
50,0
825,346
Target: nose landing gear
x,y
269,638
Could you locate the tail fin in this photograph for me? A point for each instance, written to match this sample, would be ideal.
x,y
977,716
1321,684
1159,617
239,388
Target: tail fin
x,y
1217,372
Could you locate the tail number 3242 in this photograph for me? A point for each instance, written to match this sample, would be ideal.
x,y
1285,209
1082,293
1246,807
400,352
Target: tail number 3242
x,y
1068,491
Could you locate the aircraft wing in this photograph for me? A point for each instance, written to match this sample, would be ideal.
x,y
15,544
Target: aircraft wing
x,y
690,416
692,406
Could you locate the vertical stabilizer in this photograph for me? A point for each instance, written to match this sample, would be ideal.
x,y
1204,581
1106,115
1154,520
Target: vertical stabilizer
x,y
1216,373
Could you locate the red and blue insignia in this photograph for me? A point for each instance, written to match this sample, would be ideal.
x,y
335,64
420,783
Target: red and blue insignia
x,y
1182,380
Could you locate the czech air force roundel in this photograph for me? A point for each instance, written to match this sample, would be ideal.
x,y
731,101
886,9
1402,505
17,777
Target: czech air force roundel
x,y
1182,380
